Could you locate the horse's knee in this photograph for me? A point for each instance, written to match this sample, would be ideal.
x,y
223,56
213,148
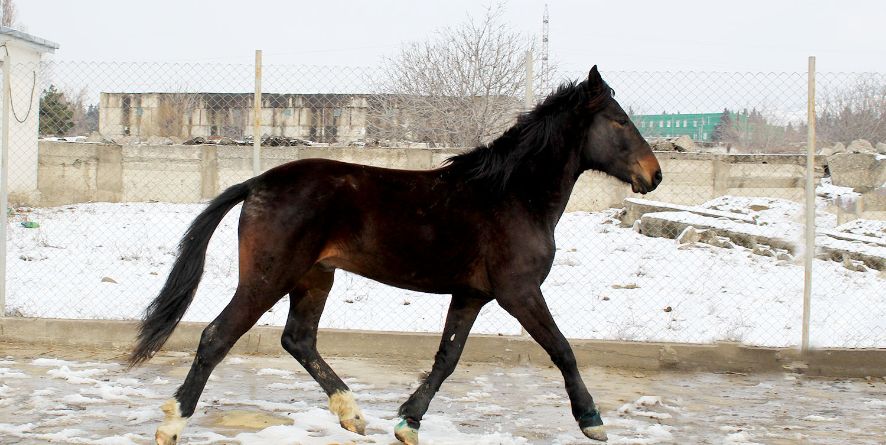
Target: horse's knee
x,y
213,345
299,347
564,358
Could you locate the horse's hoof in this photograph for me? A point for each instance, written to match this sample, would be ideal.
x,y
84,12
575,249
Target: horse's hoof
x,y
595,433
355,425
173,424
165,439
592,426
406,433
349,415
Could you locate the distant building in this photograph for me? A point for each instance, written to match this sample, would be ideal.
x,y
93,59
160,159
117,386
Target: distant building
x,y
22,56
699,126
316,117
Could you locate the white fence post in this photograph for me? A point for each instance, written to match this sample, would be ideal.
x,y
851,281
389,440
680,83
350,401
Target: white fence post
x,y
529,95
4,178
810,205
256,121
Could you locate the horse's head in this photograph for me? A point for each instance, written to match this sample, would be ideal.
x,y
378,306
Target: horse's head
x,y
612,144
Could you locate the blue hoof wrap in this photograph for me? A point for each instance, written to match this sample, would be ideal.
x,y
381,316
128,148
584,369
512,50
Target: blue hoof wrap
x,y
590,419
406,431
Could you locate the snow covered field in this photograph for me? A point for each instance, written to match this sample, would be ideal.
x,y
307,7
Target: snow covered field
x,y
108,261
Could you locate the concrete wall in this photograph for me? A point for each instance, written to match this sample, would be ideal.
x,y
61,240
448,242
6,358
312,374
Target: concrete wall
x,y
509,350
80,172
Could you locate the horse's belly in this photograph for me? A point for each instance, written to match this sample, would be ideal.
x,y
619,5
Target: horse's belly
x,y
416,277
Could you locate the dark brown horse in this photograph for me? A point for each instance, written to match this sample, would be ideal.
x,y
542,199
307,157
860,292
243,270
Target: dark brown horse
x,y
480,228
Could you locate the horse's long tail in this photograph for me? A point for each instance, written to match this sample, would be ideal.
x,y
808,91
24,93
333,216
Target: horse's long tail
x,y
164,313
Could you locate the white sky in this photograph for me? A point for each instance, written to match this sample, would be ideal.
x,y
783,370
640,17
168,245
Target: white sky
x,y
744,35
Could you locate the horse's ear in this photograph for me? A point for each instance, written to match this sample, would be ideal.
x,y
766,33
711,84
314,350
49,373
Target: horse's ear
x,y
594,79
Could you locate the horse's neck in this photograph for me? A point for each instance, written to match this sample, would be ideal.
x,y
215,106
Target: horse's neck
x,y
548,185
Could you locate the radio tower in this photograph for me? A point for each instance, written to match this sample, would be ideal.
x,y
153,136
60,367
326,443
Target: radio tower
x,y
545,69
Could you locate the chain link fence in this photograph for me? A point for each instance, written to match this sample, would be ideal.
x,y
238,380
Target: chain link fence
x,y
129,152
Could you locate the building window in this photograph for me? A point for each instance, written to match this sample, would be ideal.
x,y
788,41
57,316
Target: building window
x,y
694,123
660,124
684,123
704,136
668,124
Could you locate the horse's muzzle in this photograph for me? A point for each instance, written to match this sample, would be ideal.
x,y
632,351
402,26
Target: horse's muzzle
x,y
649,175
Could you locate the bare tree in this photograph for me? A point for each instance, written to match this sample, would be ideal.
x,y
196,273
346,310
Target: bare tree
x,y
85,116
857,111
8,11
173,113
459,88
756,131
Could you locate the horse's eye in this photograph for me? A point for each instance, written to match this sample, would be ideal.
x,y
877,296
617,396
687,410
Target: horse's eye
x,y
622,122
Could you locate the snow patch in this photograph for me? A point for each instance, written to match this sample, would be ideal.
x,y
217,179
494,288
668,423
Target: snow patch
x,y
6,373
740,438
817,418
275,372
81,377
640,407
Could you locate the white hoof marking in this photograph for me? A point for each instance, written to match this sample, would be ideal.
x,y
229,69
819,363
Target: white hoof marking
x,y
343,405
173,423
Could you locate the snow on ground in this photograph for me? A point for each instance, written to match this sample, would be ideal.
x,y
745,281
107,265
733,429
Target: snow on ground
x,y
103,260
826,189
865,227
480,403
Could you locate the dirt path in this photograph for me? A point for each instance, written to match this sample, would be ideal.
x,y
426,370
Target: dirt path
x,y
87,397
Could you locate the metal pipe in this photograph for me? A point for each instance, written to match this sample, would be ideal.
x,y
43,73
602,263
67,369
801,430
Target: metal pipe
x,y
4,178
529,98
256,120
810,206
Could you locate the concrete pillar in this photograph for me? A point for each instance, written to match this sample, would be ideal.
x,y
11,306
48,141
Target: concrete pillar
x,y
109,173
209,171
721,175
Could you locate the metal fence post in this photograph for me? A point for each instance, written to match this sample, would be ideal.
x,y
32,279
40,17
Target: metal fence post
x,y
256,121
529,97
4,178
810,205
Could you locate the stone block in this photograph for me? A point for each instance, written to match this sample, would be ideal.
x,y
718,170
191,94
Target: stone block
x,y
861,171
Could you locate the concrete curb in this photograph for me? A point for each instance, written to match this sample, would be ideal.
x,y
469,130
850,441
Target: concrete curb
x,y
719,357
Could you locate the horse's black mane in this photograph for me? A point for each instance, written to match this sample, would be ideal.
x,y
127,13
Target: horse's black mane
x,y
535,131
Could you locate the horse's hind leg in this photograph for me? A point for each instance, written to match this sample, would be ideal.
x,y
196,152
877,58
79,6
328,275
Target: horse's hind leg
x,y
463,311
300,339
217,339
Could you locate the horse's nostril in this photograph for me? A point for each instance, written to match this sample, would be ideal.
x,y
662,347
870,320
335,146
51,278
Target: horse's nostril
x,y
658,176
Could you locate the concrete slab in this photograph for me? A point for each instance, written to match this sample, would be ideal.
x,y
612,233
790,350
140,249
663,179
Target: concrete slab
x,y
665,220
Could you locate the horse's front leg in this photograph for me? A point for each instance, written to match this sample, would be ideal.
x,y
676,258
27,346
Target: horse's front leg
x,y
527,305
463,311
